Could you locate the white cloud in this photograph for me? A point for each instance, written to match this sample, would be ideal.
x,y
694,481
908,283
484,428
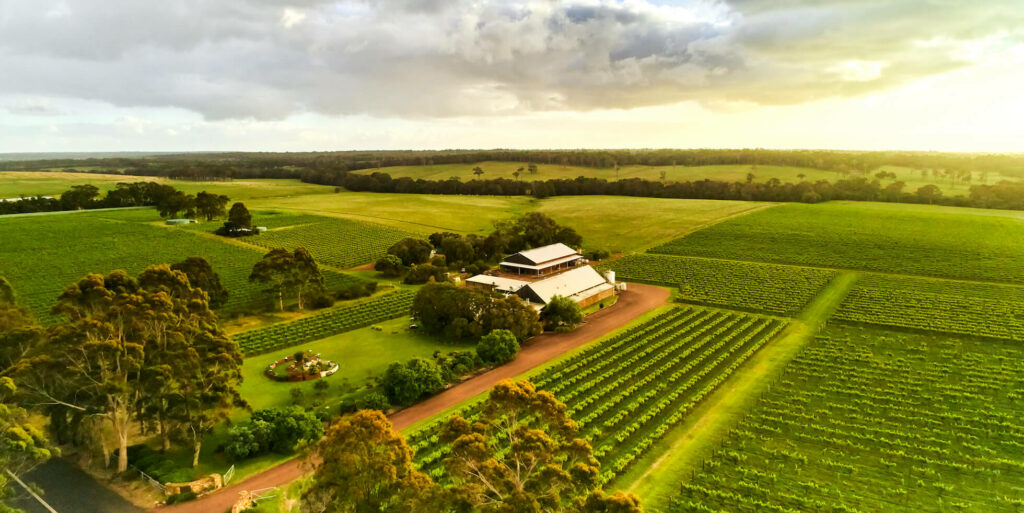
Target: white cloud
x,y
291,17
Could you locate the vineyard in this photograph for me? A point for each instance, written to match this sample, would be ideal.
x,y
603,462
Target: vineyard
x,y
900,239
41,255
333,241
979,309
628,390
354,315
867,420
748,286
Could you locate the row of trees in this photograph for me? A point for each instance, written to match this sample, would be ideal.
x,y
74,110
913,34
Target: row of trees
x,y
521,454
143,350
1005,194
166,198
327,167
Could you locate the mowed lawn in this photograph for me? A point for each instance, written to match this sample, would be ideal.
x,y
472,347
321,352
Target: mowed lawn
x,y
624,224
364,354
971,244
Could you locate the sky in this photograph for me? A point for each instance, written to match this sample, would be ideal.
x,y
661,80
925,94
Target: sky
x,y
312,75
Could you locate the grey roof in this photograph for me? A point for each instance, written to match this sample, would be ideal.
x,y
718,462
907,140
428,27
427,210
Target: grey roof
x,y
578,284
547,253
499,283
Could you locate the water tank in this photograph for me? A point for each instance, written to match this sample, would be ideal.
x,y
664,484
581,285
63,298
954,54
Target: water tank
x,y
610,276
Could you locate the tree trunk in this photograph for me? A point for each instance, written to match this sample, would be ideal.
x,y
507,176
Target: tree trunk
x,y
122,450
280,299
197,444
165,437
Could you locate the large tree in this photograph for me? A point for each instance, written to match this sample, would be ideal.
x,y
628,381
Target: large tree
x,y
411,251
133,350
201,275
211,205
175,202
498,346
364,466
406,382
289,273
522,454
239,216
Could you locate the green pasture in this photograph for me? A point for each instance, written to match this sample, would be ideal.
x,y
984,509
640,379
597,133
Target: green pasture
x,y
623,224
893,238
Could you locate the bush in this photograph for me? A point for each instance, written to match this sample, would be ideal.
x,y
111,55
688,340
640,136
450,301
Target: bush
x,y
273,429
356,291
424,272
406,382
498,346
596,254
389,265
478,267
373,401
438,261
561,313
319,301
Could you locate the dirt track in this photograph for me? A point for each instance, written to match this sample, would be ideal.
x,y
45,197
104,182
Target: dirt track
x,y
637,300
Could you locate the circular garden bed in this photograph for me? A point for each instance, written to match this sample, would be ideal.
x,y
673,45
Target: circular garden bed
x,y
302,366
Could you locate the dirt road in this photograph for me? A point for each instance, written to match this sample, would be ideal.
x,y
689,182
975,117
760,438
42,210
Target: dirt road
x,y
637,300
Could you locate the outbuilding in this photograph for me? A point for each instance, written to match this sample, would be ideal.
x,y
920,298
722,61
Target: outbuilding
x,y
542,260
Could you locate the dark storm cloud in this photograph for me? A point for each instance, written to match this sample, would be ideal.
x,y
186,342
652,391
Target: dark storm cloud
x,y
423,58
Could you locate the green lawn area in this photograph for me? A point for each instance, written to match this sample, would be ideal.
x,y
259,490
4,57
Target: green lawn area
x,y
614,223
418,213
951,242
363,354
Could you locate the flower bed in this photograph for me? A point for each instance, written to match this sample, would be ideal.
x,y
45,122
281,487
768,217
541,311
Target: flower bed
x,y
293,368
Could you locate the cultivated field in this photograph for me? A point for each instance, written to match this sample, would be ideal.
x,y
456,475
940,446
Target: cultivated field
x,y
769,288
903,239
627,390
965,308
869,420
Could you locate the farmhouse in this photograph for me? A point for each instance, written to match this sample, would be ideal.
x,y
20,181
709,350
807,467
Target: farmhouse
x,y
542,260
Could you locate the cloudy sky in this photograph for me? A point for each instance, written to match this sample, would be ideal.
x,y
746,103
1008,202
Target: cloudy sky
x,y
148,75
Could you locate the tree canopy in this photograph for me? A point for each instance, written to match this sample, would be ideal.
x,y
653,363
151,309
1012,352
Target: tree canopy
x,y
294,273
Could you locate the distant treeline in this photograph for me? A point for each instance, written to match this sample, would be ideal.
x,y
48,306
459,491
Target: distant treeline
x,y
1005,194
80,197
325,167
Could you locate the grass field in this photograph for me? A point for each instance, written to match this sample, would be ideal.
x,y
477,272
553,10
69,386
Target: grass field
x,y
904,239
41,255
611,223
494,169
14,184
869,420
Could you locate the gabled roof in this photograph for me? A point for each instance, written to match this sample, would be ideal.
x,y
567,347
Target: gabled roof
x,y
568,284
543,254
